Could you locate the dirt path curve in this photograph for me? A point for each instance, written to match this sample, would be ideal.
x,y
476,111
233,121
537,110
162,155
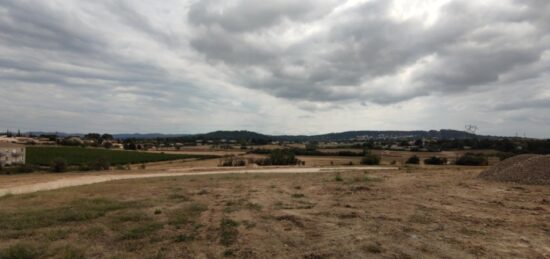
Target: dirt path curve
x,y
82,179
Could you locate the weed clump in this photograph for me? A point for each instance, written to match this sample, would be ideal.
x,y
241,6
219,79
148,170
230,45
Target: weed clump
x,y
140,232
228,231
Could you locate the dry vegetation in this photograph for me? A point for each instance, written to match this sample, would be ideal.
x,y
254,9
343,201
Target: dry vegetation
x,y
408,213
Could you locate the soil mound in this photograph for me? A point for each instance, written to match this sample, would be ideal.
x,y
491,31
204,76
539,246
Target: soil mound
x,y
524,169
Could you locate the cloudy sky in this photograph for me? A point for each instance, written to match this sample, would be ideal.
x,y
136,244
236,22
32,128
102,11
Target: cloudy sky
x,y
297,67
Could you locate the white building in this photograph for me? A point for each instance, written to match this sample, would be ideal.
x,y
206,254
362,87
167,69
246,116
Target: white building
x,y
11,153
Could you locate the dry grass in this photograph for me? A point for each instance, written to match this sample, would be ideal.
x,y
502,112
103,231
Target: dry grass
x,y
422,214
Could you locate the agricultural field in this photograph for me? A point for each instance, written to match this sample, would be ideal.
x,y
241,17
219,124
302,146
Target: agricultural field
x,y
76,155
403,213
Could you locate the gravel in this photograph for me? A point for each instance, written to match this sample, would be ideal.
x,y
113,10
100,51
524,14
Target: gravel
x,y
523,169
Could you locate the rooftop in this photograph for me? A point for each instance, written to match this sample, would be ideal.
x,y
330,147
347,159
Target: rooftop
x,y
9,144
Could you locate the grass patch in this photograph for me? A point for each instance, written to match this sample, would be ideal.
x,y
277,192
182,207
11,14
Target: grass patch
x,y
338,178
232,206
130,217
79,156
298,195
185,238
187,214
249,224
71,252
179,197
57,234
20,251
374,248
140,232
300,204
228,231
78,210
93,232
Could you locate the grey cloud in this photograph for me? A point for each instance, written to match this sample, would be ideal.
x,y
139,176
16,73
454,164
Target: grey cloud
x,y
40,26
209,64
471,46
247,15
139,22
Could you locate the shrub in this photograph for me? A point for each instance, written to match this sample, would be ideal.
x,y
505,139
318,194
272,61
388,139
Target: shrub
x,y
283,157
232,161
25,169
263,161
435,161
370,159
59,165
472,159
84,167
100,164
413,160
280,157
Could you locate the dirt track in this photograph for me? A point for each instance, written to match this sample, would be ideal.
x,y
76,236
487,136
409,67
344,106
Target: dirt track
x,y
51,182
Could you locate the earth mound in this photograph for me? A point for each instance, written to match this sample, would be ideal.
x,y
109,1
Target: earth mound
x,y
523,169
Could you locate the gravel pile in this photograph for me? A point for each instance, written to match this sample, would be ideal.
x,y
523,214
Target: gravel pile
x,y
524,169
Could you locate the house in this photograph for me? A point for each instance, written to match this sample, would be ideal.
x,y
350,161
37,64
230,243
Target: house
x,y
11,153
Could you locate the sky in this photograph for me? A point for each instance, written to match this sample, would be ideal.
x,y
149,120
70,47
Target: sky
x,y
276,67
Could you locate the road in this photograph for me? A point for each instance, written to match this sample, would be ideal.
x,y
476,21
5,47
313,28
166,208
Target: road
x,y
68,180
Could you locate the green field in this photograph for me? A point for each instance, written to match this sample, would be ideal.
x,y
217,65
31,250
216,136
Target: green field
x,y
79,155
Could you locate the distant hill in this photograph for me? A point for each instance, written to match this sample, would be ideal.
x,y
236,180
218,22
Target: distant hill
x,y
441,134
116,136
250,135
236,135
341,136
146,136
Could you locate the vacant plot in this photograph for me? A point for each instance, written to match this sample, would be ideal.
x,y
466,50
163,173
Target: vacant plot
x,y
78,155
373,214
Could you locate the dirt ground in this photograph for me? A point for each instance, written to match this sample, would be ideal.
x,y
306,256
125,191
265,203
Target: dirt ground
x,y
409,213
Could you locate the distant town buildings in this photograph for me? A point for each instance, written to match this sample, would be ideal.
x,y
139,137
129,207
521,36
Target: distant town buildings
x,y
11,153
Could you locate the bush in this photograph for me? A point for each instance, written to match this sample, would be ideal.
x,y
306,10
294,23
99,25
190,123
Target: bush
x,y
100,164
263,161
84,167
370,159
413,160
279,157
232,161
472,159
59,165
25,169
435,161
